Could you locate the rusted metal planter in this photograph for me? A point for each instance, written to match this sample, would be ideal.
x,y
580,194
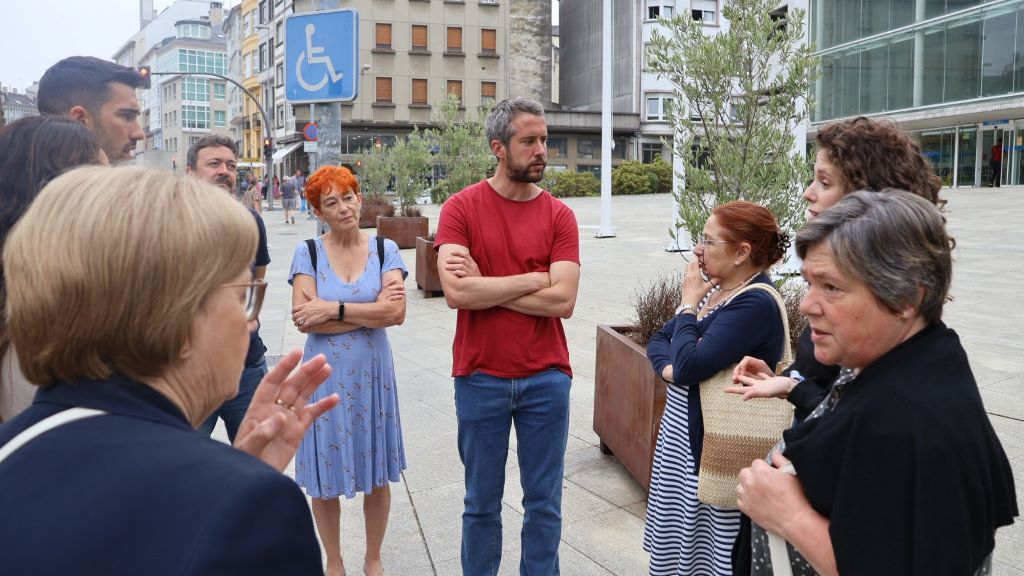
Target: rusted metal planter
x,y
427,278
629,399
403,229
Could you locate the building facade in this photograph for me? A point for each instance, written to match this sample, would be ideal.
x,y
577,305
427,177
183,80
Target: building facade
x,y
17,106
950,72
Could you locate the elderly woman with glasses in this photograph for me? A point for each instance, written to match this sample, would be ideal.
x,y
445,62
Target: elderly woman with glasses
x,y
898,470
129,301
347,288
716,325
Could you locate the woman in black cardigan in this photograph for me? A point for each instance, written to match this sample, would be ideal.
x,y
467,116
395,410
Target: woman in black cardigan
x,y
856,154
898,470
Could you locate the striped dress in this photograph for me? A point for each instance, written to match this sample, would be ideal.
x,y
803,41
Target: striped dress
x,y
683,535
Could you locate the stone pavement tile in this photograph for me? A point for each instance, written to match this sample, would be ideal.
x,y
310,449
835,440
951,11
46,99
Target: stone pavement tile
x,y
610,481
1002,569
638,509
1004,403
571,563
434,464
614,540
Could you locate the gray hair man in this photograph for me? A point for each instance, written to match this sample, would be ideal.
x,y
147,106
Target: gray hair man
x,y
213,158
510,254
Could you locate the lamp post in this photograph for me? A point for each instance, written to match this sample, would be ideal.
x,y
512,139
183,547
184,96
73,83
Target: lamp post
x,y
267,138
272,104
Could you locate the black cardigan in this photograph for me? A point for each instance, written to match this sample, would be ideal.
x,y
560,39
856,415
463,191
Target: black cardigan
x,y
908,469
818,377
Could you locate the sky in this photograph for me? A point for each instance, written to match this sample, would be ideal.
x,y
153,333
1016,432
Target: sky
x,y
36,34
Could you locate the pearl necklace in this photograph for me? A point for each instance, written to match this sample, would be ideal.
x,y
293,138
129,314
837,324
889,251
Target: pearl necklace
x,y
718,287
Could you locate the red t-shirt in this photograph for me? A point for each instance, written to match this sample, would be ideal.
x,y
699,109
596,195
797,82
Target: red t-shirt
x,y
506,238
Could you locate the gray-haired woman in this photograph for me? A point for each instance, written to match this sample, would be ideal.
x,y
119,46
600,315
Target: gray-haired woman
x,y
898,470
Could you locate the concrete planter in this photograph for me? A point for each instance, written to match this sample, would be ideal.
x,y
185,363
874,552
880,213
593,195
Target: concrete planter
x,y
403,229
629,399
427,278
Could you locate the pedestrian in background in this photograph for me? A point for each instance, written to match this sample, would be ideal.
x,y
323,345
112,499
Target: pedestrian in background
x,y
509,262
33,151
289,199
347,287
214,159
996,162
101,96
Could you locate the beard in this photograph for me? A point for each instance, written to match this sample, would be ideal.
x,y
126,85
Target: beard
x,y
225,182
523,173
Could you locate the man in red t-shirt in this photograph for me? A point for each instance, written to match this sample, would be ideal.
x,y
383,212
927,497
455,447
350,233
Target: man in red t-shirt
x,y
995,161
509,254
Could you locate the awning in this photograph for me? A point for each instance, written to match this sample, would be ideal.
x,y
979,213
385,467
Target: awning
x,y
250,164
280,154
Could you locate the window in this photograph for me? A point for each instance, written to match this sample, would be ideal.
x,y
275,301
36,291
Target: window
x,y
383,36
650,151
220,119
488,93
195,117
383,90
455,88
263,12
660,9
279,75
195,89
454,39
658,106
588,148
419,91
218,90
705,16
419,37
202,61
263,57
558,146
489,41
647,56
279,34
280,115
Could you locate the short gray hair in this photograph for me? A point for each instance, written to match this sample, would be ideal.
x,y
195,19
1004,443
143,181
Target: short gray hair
x,y
893,241
505,112
209,141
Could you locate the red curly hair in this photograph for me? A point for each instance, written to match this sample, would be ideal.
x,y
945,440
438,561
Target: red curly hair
x,y
327,177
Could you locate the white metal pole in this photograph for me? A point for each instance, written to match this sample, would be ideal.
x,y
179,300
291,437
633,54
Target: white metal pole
x,y
606,230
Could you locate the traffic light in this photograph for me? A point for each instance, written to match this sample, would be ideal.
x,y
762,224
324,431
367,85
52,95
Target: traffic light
x,y
146,76
268,147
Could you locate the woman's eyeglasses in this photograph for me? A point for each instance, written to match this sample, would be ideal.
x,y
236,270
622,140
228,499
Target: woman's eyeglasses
x,y
254,293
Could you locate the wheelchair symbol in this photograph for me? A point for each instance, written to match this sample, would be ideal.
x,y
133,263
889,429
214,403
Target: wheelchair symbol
x,y
315,57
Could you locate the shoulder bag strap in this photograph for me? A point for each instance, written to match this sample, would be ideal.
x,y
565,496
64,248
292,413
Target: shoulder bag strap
x,y
380,253
45,425
787,350
311,245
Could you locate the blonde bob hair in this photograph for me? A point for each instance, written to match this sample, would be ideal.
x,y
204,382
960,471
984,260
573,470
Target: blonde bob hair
x,y
109,268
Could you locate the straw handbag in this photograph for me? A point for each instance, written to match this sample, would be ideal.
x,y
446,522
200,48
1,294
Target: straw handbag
x,y
737,432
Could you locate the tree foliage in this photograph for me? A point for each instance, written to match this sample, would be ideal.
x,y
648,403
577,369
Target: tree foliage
x,y
462,149
375,171
411,164
741,94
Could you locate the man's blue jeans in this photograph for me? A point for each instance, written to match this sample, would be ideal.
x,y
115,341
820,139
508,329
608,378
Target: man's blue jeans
x,y
486,407
233,410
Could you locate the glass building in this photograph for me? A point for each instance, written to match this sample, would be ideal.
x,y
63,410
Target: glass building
x,y
951,72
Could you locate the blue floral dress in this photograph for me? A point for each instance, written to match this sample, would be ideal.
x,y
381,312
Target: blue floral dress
x,y
357,446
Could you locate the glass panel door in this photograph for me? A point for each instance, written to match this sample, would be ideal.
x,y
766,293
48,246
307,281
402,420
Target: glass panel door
x,y
966,156
937,146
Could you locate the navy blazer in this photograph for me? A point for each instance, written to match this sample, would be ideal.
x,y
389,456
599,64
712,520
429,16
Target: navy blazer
x,y
138,491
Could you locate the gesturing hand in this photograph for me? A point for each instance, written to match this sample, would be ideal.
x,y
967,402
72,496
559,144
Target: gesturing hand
x,y
756,380
280,411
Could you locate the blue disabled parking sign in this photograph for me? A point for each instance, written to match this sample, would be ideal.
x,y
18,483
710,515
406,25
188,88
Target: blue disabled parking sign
x,y
321,56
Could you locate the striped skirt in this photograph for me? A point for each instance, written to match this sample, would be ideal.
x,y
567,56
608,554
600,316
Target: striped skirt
x,y
683,535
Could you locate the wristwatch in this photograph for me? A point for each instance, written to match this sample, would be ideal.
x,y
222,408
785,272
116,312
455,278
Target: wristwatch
x,y
341,311
685,308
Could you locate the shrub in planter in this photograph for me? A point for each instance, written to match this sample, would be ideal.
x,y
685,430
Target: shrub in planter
x,y
629,397
662,172
374,206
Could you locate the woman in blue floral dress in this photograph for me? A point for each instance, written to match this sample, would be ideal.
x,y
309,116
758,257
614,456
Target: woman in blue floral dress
x,y
345,291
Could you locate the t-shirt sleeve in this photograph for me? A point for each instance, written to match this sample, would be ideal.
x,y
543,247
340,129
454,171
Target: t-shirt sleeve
x,y
452,226
301,263
393,259
566,247
262,253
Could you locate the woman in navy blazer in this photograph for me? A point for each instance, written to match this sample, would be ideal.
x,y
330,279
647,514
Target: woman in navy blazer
x,y
129,300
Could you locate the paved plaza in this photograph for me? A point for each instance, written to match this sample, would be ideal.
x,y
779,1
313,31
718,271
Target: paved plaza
x,y
603,508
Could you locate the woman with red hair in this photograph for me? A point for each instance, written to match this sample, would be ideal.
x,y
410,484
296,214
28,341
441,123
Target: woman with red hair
x,y
347,287
717,324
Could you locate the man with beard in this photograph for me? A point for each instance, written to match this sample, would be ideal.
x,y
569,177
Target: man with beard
x,y
510,265
100,95
214,159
